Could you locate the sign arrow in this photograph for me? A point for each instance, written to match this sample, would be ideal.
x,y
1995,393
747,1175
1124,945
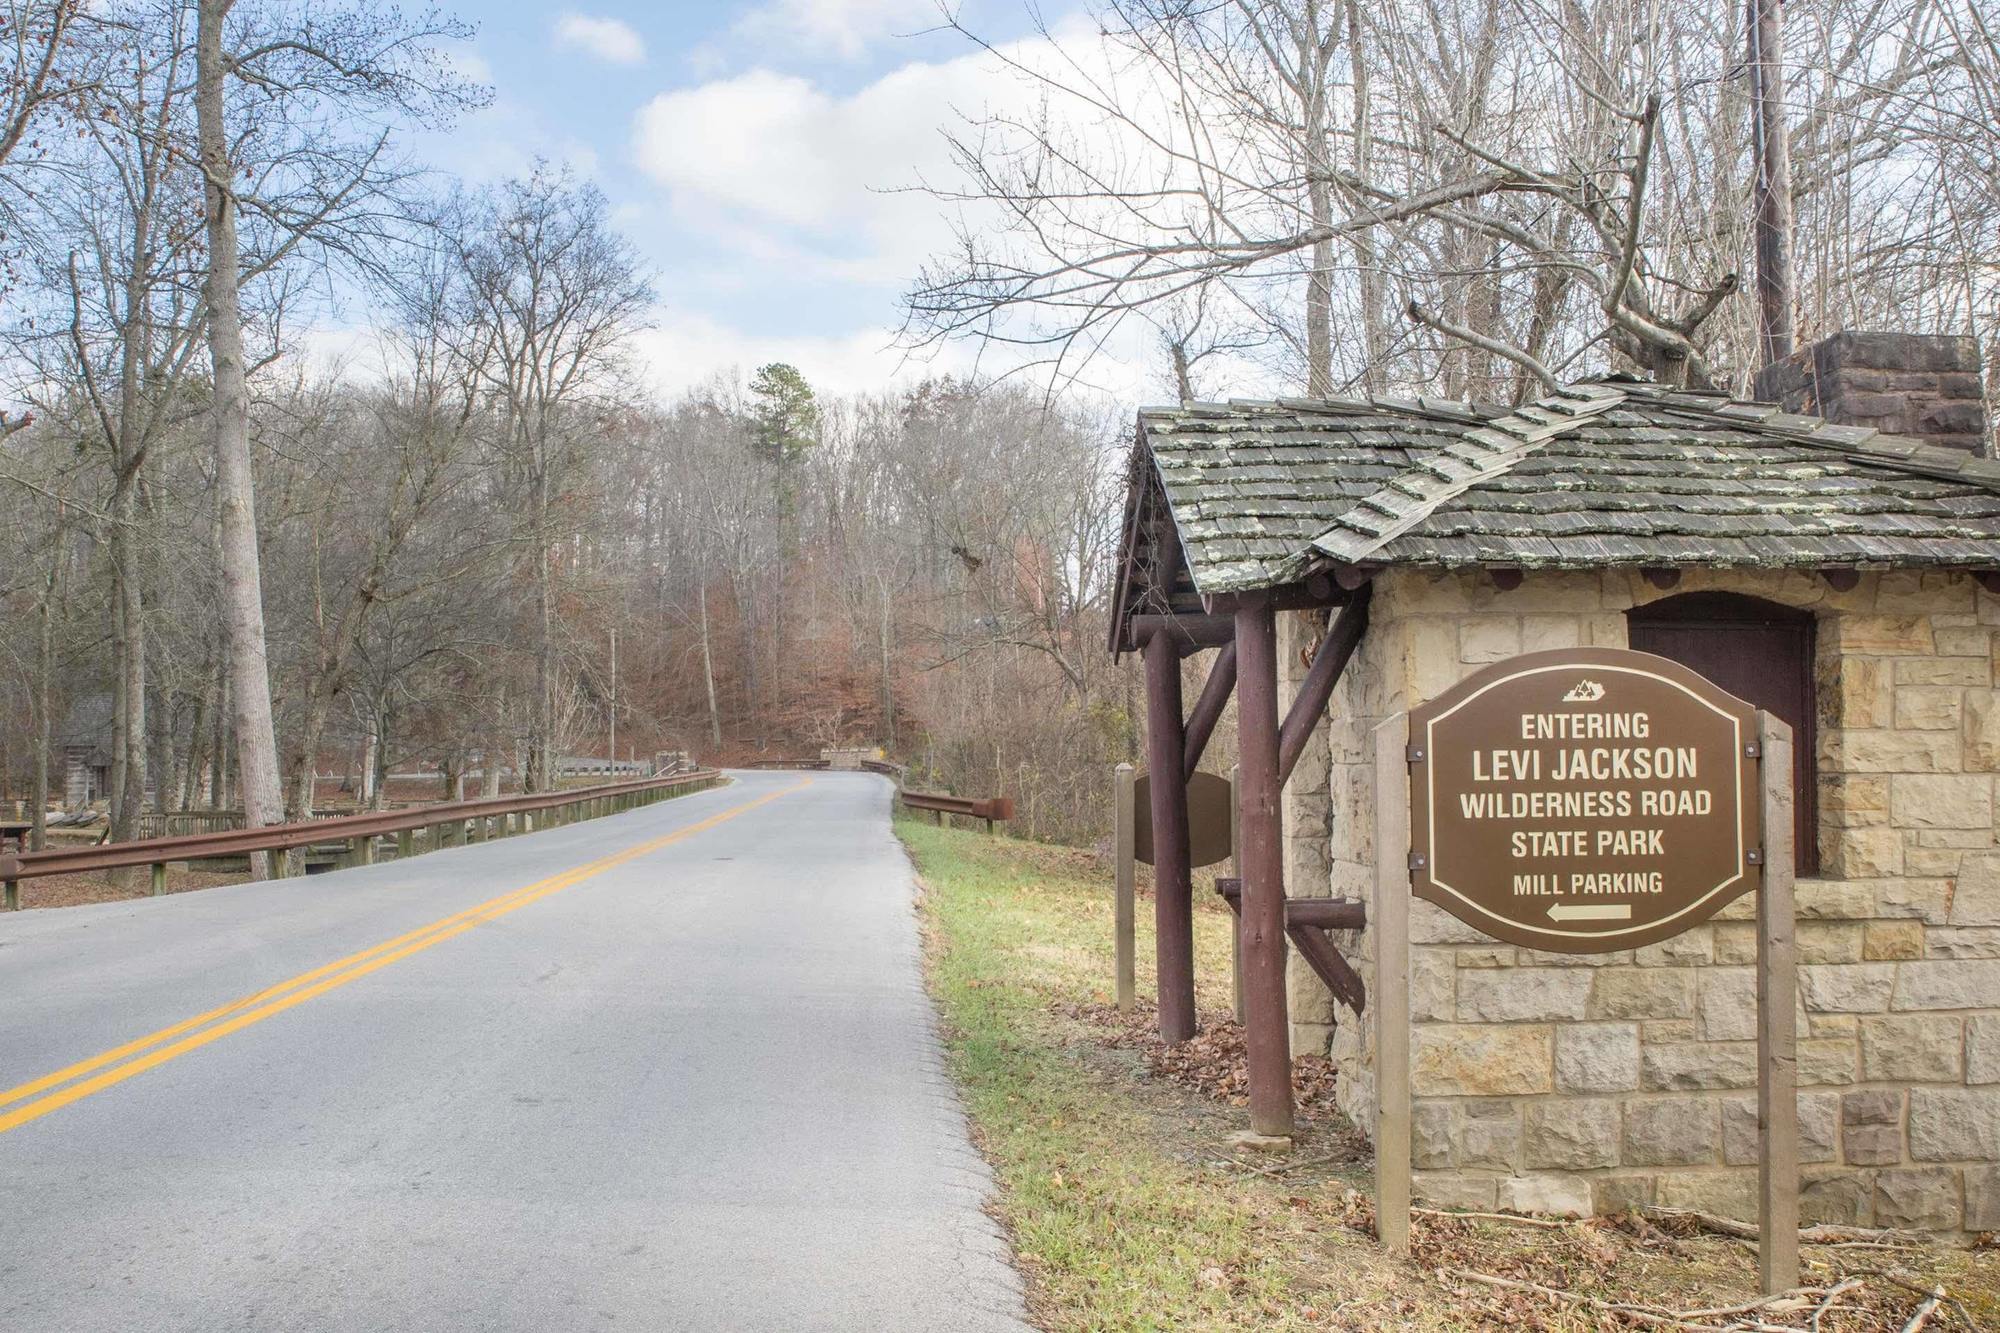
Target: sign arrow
x,y
1590,911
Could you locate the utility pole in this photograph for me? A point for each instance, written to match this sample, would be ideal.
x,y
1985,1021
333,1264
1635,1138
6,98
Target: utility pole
x,y
614,696
1771,151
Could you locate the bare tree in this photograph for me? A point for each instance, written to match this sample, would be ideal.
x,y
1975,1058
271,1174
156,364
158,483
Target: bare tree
x,y
316,76
1547,187
552,294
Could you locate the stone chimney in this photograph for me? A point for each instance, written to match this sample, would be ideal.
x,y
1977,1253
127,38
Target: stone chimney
x,y
1924,385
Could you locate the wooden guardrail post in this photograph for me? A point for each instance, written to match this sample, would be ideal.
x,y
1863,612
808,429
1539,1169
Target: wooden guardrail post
x,y
159,878
406,844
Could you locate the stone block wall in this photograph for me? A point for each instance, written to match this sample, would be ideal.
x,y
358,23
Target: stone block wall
x,y
1589,1083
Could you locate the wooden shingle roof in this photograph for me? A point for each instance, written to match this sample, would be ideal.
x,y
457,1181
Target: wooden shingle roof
x,y
1610,472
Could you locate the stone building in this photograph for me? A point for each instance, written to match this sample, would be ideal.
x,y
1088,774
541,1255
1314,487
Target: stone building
x,y
1846,579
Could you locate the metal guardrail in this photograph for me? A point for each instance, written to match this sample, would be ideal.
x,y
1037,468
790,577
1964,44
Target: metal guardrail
x,y
450,824
988,808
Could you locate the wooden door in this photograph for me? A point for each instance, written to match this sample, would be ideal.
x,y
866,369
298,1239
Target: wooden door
x,y
1759,651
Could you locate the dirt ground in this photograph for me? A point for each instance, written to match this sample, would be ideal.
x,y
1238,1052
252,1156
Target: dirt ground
x,y
76,890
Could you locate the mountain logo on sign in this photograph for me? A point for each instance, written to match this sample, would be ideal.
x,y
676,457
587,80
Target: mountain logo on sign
x,y
1584,692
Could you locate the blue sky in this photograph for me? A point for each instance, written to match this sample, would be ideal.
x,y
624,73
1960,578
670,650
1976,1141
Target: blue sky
x,y
743,148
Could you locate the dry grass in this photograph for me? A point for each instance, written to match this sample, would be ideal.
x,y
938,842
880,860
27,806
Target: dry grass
x,y
1129,1210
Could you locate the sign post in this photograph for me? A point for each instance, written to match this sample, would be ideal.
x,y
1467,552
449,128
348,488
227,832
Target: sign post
x,y
1389,918
1777,1024
1588,801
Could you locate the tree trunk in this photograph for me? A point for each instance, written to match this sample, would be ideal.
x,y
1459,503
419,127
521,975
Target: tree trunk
x,y
542,744
1374,337
383,719
708,668
1771,145
888,680
45,651
1319,199
218,745
242,574
197,757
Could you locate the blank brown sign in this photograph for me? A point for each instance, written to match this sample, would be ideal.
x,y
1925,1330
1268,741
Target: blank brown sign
x,y
1209,799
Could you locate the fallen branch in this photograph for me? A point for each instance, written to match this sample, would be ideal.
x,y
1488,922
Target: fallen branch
x,y
1788,1303
1721,1226
1925,1311
1822,1233
1511,1218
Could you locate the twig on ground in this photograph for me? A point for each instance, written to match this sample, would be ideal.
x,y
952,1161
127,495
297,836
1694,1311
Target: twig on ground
x,y
1925,1311
1832,1294
1237,1163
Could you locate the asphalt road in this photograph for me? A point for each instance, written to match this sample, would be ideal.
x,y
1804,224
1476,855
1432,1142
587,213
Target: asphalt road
x,y
686,1080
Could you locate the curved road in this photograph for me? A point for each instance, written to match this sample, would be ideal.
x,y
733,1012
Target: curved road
x,y
670,1069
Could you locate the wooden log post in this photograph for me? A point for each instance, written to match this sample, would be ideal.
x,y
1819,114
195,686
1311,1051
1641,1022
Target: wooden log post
x,y
1173,883
1208,706
1777,1022
406,844
364,850
1125,815
1389,923
1266,1022
1236,870
159,878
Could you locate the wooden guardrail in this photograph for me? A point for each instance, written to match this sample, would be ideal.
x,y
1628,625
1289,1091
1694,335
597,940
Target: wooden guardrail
x,y
448,824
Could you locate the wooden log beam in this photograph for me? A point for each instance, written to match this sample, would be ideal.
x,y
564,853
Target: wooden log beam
x,y
1326,913
1324,959
1173,883
1334,651
1191,633
1208,708
1319,590
1261,864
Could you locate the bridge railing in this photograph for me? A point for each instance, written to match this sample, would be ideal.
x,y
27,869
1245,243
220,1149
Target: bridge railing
x,y
447,824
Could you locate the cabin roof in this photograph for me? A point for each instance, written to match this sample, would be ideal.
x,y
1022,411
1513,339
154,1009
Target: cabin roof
x,y
1605,472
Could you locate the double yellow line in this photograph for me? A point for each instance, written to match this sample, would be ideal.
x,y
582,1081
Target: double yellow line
x,y
112,1067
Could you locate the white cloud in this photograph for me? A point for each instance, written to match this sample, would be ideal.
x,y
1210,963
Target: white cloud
x,y
685,349
774,162
468,64
796,183
610,40
842,28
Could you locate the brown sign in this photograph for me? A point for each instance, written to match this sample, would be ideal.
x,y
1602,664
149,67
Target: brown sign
x,y
1584,800
1209,800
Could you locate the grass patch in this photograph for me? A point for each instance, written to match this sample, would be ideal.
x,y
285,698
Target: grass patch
x,y
1128,1210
